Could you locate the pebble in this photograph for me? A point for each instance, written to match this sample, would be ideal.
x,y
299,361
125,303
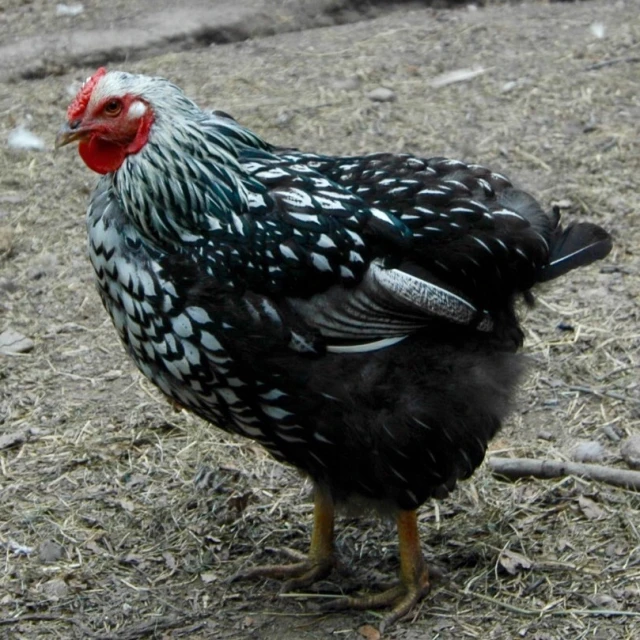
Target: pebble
x,y
55,589
603,601
589,451
612,432
50,551
13,438
369,632
283,118
381,94
630,451
348,84
12,342
509,86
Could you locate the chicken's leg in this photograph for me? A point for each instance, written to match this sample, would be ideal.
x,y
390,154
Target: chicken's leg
x,y
320,560
414,577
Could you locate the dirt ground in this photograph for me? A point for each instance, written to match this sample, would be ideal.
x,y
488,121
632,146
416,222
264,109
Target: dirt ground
x,y
122,518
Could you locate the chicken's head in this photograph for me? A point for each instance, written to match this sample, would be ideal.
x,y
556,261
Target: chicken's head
x,y
109,119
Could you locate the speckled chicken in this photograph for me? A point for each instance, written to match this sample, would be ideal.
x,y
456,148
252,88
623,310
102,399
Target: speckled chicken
x,y
354,315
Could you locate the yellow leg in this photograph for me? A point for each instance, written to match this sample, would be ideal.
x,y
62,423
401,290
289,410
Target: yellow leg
x,y
414,577
320,560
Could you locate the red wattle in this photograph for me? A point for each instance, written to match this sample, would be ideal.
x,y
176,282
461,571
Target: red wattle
x,y
102,156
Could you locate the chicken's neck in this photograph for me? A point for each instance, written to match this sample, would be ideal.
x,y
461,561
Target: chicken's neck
x,y
185,184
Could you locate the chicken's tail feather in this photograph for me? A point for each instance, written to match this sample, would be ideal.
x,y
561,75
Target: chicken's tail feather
x,y
575,246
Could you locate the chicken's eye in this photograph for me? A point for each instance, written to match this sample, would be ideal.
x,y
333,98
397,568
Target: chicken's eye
x,y
113,108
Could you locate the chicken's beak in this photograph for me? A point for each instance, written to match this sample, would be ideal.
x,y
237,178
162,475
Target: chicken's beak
x,y
70,132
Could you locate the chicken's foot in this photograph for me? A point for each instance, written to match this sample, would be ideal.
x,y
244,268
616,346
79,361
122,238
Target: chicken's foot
x,y
308,568
414,578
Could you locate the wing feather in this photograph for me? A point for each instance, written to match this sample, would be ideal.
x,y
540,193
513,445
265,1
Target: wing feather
x,y
388,303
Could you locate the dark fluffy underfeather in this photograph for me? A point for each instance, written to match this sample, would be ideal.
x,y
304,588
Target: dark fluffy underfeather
x,y
460,389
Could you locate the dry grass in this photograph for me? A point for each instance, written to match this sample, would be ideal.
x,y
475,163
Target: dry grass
x,y
104,532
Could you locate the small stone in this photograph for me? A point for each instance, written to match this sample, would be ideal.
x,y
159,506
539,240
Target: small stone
x,y
381,94
630,451
55,589
604,601
50,551
546,435
347,84
283,118
369,632
591,510
589,451
612,432
13,438
12,342
514,562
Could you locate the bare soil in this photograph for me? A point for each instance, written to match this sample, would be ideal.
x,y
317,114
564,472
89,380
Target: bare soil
x,y
122,518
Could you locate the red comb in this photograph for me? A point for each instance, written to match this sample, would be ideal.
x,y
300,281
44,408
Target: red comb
x,y
80,102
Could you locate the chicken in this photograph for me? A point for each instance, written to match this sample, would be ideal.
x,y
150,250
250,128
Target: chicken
x,y
354,315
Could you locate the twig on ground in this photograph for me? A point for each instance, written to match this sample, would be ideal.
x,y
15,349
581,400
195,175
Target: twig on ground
x,y
610,62
514,468
551,612
600,392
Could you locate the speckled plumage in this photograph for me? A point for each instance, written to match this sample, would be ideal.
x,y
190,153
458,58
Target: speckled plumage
x,y
352,314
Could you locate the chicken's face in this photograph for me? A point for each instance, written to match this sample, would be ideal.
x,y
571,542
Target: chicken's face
x,y
108,120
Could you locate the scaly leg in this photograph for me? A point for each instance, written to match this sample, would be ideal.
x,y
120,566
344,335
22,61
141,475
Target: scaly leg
x,y
414,577
320,560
